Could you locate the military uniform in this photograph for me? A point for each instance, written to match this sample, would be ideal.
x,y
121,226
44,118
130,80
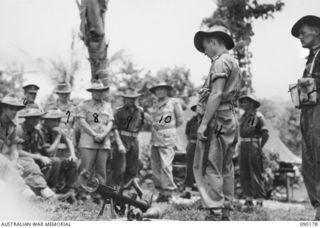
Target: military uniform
x,y
95,154
66,169
128,122
31,171
252,125
213,168
163,141
310,128
191,133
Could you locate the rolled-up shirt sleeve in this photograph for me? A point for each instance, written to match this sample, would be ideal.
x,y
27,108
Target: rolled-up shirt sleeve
x,y
220,69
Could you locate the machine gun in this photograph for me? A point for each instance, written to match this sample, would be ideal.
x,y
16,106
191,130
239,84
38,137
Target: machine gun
x,y
121,199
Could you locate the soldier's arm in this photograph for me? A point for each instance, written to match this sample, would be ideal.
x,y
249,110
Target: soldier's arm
x,y
265,137
219,74
54,146
264,130
70,147
178,113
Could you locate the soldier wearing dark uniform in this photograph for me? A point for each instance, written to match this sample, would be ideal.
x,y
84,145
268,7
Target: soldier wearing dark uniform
x,y
218,130
29,158
307,30
57,146
30,93
254,135
129,121
191,133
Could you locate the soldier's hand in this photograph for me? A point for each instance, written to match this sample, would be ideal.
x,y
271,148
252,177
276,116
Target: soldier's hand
x,y
20,168
45,160
73,158
99,138
201,130
122,149
57,130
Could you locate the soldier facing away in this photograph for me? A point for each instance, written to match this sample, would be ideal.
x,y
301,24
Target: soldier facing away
x,y
218,130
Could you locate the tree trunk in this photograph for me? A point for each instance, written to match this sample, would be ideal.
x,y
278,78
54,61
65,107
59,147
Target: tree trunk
x,y
92,28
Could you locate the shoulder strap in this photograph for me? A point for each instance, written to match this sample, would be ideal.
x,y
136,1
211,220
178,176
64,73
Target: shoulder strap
x,y
313,62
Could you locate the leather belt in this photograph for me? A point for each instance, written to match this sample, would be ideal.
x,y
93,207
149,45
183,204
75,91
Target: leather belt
x,y
193,141
226,106
250,140
128,133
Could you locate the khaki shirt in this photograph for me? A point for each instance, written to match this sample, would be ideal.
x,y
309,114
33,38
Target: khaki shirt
x,y
223,66
164,132
97,116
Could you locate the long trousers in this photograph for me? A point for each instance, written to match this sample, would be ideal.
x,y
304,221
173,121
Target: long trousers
x,y
189,180
161,164
94,161
125,166
251,170
213,167
310,129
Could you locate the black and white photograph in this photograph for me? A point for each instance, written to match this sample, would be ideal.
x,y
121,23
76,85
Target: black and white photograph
x,y
160,111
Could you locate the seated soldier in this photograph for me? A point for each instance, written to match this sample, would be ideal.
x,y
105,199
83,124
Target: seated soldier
x,y
9,167
57,145
28,154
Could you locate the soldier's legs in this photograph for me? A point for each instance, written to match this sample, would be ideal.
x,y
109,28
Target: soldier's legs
x,y
256,170
100,164
166,176
132,160
68,174
156,166
32,174
245,169
52,173
88,157
310,128
10,175
189,180
118,167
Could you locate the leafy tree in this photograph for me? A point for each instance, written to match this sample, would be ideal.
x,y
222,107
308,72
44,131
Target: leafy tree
x,y
11,79
238,16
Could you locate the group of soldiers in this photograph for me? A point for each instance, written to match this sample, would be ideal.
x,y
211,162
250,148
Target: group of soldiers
x,y
49,149
43,153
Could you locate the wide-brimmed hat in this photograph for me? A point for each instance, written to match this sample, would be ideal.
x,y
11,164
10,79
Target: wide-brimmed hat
x,y
130,93
251,97
97,86
31,112
12,100
218,30
310,20
63,88
53,114
32,88
160,85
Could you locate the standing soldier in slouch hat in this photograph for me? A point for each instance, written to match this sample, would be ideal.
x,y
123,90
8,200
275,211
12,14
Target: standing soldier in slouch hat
x,y
167,116
96,120
218,130
254,136
307,30
129,120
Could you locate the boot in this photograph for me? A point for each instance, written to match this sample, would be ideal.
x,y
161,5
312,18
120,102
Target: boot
x,y
225,214
214,215
317,217
186,195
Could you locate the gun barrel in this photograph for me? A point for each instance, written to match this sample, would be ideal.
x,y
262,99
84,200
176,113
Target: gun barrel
x,y
109,192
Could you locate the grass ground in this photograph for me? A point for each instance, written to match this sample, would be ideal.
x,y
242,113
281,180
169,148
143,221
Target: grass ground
x,y
272,211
